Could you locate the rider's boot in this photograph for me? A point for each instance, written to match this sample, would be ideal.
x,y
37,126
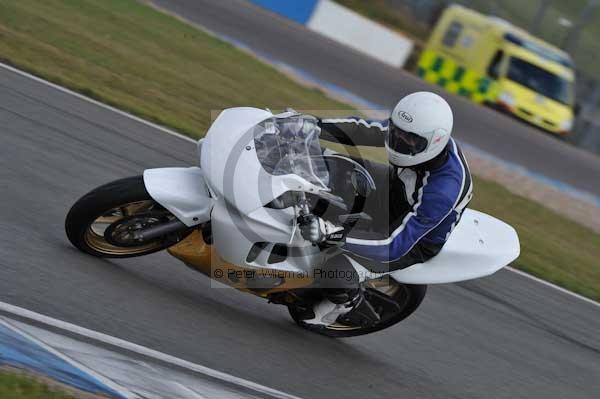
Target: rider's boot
x,y
344,296
351,306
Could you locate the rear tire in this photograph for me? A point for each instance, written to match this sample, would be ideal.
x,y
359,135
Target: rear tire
x,y
409,295
130,196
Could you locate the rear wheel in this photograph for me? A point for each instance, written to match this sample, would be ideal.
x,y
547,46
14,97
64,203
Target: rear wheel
x,y
103,222
394,302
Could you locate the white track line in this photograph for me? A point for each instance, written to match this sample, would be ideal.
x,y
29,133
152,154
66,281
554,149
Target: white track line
x,y
141,350
181,136
110,384
550,285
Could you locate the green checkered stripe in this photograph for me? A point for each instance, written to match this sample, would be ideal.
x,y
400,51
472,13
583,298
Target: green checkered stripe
x,y
455,78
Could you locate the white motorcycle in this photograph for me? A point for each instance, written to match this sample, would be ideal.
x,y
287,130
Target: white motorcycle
x,y
235,219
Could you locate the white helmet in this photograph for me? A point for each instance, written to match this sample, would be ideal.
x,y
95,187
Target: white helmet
x,y
419,129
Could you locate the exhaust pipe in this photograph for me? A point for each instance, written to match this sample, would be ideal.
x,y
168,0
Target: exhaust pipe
x,y
154,232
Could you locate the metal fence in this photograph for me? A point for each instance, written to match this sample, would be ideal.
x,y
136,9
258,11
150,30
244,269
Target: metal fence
x,y
587,125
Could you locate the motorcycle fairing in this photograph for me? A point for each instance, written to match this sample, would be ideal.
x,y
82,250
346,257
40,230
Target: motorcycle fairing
x,y
235,234
229,160
182,191
480,245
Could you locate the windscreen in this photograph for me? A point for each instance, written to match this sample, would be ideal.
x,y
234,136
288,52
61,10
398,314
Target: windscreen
x,y
540,80
542,51
290,145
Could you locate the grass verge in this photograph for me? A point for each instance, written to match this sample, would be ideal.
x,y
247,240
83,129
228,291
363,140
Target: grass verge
x,y
17,386
552,247
131,56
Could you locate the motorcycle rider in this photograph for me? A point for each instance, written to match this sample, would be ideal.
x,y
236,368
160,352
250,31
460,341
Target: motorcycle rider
x,y
429,187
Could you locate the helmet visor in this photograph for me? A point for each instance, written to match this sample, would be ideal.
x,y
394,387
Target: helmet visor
x,y
404,142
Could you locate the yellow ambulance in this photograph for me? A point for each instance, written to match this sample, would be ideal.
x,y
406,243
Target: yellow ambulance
x,y
491,61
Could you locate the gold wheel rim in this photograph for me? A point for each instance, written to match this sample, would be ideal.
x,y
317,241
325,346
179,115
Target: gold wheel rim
x,y
94,234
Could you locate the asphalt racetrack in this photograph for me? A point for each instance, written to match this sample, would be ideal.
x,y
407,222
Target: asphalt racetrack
x,y
325,60
505,336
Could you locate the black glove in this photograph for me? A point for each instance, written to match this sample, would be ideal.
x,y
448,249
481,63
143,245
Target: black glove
x,y
317,230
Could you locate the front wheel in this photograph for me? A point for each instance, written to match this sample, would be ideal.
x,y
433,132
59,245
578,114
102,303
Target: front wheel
x,y
394,302
103,222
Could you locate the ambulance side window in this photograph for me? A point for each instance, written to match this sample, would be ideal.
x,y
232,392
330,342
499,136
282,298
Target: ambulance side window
x,y
451,36
494,68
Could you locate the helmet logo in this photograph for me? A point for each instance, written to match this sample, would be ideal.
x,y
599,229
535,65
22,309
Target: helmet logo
x,y
405,116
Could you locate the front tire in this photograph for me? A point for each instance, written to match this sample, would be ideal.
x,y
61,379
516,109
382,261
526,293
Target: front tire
x,y
117,207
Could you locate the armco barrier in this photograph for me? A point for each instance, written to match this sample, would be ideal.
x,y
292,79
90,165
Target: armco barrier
x,y
346,27
349,28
